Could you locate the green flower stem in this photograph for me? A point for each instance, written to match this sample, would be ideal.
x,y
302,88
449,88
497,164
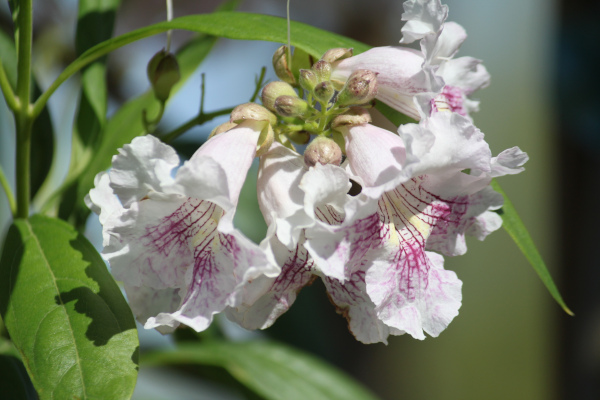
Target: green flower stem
x,y
197,120
8,191
9,95
24,116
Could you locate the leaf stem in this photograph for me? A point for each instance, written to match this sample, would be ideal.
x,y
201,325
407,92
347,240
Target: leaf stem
x,y
12,102
8,191
197,120
24,117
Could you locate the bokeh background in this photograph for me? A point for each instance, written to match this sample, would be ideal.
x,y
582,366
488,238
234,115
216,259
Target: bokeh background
x,y
510,340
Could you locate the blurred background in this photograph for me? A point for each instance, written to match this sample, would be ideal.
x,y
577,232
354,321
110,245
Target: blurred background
x,y
510,339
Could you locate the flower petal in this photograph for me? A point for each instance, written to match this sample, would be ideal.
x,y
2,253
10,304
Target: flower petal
x,y
102,200
146,302
265,299
353,303
142,166
423,17
400,75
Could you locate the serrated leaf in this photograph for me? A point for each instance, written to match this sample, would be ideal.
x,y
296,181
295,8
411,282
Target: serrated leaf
x,y
274,371
516,229
65,314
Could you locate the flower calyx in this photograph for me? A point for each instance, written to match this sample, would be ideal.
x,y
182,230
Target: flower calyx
x,y
324,151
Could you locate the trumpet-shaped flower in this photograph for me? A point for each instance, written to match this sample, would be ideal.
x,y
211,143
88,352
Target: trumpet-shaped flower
x,y
171,239
418,83
376,251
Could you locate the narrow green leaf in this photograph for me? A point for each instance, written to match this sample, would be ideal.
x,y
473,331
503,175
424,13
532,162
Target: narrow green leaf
x,y
273,370
14,381
65,314
516,229
228,24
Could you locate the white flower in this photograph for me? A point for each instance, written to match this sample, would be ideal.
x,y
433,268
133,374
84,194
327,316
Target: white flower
x,y
171,240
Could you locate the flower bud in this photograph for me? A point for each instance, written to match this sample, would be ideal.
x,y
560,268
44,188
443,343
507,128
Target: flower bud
x,y
273,90
324,91
252,111
308,79
222,128
324,151
290,106
336,54
354,116
281,65
360,88
163,74
323,70
299,137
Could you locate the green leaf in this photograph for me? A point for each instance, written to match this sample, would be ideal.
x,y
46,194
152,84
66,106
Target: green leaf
x,y
516,229
14,381
65,314
228,24
273,370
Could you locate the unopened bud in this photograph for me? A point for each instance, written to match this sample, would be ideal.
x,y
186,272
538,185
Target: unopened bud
x,y
324,91
252,111
360,88
163,74
290,106
281,65
222,128
323,70
336,54
299,137
354,116
273,90
308,79
324,151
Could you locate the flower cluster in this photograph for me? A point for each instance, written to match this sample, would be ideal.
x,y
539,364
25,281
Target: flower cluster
x,y
369,211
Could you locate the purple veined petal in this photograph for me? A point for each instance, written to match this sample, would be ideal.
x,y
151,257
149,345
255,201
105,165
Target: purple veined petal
x,y
146,302
325,185
280,198
411,290
463,215
221,269
423,17
264,299
401,74
148,243
352,302
142,166
338,250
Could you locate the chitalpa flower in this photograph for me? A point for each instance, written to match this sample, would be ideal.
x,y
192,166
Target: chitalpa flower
x,y
171,239
430,76
369,211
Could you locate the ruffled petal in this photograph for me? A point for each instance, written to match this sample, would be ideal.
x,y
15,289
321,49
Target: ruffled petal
x,y
102,200
264,299
509,162
423,17
142,166
146,302
409,287
466,73
220,270
353,303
